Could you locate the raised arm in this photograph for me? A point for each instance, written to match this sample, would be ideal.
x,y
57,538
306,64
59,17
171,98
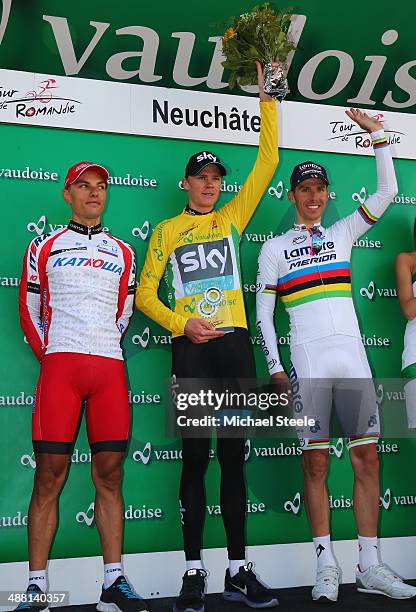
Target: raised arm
x,y
240,209
371,210
405,268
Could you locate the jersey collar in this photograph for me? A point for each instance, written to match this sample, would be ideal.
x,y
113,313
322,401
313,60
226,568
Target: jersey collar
x,y
301,227
84,229
190,211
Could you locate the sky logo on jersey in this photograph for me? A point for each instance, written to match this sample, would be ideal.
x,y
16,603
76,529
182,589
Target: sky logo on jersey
x,y
206,260
76,262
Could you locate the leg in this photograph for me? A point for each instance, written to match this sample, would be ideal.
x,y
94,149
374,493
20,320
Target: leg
x,y
195,458
106,475
233,494
54,423
364,461
49,477
315,468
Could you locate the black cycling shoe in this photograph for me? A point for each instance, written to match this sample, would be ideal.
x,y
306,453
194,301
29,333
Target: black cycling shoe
x,y
120,597
33,606
191,597
246,588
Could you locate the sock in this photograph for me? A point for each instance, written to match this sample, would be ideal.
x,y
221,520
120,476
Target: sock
x,y
38,577
234,566
111,572
367,551
195,564
323,551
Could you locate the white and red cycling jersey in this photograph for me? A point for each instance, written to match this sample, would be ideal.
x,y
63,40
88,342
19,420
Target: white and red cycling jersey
x,y
77,290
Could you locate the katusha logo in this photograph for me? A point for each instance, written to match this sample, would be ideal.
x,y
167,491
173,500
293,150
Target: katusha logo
x,y
142,232
294,504
371,291
42,101
344,131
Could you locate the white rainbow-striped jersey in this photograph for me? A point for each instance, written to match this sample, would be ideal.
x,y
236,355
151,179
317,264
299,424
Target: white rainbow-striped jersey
x,y
76,293
316,289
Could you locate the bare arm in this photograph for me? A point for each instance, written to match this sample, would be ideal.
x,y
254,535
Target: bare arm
x,y
404,270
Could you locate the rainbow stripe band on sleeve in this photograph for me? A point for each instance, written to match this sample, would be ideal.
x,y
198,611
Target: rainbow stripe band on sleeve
x,y
270,289
378,143
367,215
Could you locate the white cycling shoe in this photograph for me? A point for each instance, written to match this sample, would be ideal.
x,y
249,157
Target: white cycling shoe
x,y
379,579
327,584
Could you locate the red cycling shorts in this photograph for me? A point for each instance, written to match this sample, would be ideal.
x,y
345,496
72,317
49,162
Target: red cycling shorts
x,y
65,381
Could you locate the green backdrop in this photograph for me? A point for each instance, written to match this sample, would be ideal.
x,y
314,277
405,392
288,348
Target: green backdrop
x,y
152,467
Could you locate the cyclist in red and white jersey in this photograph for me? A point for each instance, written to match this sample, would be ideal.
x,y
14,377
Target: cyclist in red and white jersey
x,y
75,301
309,268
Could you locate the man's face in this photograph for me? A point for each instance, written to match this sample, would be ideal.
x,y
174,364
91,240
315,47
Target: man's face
x,y
86,196
204,188
310,198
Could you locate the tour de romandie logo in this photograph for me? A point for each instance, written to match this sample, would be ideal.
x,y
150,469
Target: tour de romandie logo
x,y
44,100
345,131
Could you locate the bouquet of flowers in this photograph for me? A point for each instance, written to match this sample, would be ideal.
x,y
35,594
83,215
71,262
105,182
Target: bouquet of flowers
x,y
259,35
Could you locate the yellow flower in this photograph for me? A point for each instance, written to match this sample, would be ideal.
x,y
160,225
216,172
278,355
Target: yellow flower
x,y
229,34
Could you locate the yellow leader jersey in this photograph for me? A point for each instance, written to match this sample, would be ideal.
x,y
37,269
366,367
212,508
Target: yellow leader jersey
x,y
198,255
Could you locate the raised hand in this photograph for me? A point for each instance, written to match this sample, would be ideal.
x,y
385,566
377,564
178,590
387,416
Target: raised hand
x,y
260,78
363,120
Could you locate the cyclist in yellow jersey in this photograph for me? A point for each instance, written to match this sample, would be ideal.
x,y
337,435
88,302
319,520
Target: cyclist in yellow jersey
x,y
197,254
